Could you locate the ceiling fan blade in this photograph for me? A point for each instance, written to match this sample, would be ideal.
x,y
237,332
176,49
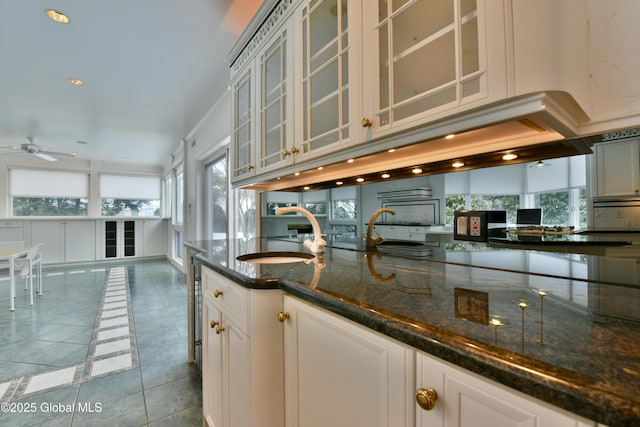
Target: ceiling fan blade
x,y
11,148
58,153
45,156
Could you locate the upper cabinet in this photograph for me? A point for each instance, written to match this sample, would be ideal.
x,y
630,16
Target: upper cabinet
x,y
327,75
618,168
424,60
317,82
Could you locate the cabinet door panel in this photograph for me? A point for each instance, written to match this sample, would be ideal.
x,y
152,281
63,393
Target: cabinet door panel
x,y
80,242
237,375
343,375
51,233
212,392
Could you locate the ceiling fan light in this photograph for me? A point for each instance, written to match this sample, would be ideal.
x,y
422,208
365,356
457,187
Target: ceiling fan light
x,y
57,16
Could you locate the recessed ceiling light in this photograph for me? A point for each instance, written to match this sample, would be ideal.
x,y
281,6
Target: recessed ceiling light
x,y
391,150
360,179
297,173
457,164
416,170
385,175
450,136
306,187
320,168
339,182
350,161
57,16
509,156
74,81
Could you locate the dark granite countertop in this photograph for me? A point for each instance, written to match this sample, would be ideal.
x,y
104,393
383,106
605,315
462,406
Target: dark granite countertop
x,y
461,304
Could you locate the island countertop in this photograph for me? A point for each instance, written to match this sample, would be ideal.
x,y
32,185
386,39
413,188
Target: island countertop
x,y
564,328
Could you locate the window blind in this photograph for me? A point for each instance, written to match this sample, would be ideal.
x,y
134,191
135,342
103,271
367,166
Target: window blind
x,y
48,183
129,187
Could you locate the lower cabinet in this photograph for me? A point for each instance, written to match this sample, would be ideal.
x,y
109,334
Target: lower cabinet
x,y
333,372
340,374
467,400
242,362
65,241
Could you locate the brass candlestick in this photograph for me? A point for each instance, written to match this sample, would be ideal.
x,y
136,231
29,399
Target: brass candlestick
x,y
541,293
497,321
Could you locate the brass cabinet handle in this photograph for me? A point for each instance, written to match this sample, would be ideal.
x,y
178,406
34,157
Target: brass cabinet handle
x,y
365,122
426,398
282,316
213,323
219,330
217,293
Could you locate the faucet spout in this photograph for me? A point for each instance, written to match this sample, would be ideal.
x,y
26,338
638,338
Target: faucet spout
x,y
372,242
317,245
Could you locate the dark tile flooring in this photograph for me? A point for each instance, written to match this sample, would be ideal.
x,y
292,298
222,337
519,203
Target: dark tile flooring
x,y
105,345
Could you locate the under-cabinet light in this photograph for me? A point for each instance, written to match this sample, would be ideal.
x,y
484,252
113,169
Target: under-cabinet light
x,y
510,156
457,164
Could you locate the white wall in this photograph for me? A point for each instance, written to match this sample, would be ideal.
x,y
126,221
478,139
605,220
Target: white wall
x,y
209,138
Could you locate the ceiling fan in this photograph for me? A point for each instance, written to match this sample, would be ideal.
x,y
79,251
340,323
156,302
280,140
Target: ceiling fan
x,y
34,149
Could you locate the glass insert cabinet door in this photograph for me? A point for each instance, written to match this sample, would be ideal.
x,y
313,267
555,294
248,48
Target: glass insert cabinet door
x,y
273,104
242,122
324,73
428,56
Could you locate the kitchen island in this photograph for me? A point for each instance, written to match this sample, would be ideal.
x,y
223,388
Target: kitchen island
x,y
563,328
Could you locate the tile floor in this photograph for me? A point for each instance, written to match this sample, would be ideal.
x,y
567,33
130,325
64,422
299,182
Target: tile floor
x,y
106,344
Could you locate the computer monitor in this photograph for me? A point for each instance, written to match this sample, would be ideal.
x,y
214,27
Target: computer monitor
x,y
529,216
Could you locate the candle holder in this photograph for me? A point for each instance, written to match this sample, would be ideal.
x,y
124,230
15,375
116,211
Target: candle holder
x,y
497,321
523,304
541,293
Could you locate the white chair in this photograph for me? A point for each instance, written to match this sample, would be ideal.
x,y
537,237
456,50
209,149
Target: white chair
x,y
24,268
33,259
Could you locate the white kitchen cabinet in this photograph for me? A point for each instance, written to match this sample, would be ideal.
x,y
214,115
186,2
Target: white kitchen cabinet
x,y
65,240
328,70
401,232
275,144
242,123
618,168
468,400
427,59
262,102
340,374
11,231
242,369
154,237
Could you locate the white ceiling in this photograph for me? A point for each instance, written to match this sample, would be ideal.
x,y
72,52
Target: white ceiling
x,y
153,68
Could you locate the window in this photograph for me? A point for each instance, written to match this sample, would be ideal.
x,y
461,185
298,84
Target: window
x,y
168,196
217,199
127,195
48,193
178,214
343,209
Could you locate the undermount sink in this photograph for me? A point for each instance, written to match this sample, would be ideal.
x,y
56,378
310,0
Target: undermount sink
x,y
275,257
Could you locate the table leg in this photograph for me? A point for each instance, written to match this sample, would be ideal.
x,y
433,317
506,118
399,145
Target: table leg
x,y
12,283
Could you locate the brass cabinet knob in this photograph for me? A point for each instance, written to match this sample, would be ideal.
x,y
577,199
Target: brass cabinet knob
x,y
217,293
213,323
219,329
250,166
295,150
286,153
426,398
282,316
365,122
